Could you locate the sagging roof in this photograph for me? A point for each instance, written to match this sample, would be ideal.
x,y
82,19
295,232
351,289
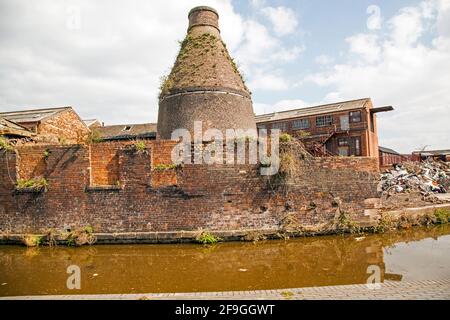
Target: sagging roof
x,y
127,131
9,128
314,110
387,150
35,115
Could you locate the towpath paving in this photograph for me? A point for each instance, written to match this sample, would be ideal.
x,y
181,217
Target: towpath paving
x,y
389,290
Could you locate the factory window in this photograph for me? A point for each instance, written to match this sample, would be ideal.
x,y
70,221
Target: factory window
x,y
343,142
280,125
355,116
300,124
324,121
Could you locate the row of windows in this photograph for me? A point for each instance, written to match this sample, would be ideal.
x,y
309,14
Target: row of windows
x,y
321,121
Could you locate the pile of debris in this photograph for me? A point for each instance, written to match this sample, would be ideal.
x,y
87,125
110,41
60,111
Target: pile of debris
x,y
426,178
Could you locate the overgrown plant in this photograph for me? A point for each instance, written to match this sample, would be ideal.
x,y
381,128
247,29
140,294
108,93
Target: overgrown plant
x,y
31,240
139,146
94,137
346,224
207,238
80,237
442,215
4,145
164,167
34,184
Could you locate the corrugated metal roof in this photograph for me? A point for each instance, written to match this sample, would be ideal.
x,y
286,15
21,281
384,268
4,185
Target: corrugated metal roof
x,y
126,131
314,110
35,115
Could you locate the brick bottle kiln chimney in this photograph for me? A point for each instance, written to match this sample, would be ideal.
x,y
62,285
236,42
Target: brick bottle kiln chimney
x,y
204,84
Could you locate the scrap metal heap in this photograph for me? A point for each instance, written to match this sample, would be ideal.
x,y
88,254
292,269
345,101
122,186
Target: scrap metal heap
x,y
424,177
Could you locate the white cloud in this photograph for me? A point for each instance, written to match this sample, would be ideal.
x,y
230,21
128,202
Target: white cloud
x,y
324,59
407,73
283,19
268,81
107,61
366,46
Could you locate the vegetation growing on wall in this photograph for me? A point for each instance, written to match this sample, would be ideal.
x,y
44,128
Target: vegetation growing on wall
x,y
199,56
37,184
207,238
4,145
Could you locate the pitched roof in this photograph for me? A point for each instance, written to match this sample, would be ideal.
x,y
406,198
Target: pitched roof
x,y
314,110
387,150
90,122
8,127
34,115
126,131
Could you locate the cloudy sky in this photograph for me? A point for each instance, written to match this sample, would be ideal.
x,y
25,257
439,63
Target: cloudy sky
x,y
105,58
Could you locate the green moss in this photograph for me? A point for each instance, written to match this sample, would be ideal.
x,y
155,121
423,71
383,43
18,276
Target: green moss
x,y
41,183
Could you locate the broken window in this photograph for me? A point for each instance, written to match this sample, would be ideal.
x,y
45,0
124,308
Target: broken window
x,y
324,121
355,116
300,124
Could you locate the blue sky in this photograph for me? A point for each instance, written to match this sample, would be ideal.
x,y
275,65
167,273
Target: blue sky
x,y
106,58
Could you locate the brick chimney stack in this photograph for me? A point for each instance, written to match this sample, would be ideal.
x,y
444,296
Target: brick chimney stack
x,y
204,19
204,83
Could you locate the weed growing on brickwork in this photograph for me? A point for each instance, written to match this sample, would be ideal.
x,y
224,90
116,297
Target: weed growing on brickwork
x,y
139,146
4,145
94,137
346,224
442,216
164,167
207,238
47,153
292,154
80,237
386,223
31,240
50,237
33,184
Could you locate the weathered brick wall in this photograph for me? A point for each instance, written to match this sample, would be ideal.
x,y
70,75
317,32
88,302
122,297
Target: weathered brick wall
x,y
66,127
217,197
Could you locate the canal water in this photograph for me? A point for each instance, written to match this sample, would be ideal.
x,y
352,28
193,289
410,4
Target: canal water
x,y
415,254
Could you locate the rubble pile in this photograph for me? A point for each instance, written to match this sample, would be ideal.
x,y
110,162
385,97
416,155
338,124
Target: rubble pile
x,y
426,178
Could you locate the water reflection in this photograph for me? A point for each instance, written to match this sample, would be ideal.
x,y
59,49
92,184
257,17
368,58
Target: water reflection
x,y
304,262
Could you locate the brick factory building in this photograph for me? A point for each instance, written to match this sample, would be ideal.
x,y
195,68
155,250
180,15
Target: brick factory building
x,y
51,125
346,128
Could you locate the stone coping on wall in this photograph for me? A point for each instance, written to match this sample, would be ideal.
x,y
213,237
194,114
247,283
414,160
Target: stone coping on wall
x,y
167,237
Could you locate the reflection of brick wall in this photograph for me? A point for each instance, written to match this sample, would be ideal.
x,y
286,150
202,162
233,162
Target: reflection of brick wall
x,y
218,197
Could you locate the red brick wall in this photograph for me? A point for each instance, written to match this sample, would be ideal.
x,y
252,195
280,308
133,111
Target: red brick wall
x,y
217,197
66,127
